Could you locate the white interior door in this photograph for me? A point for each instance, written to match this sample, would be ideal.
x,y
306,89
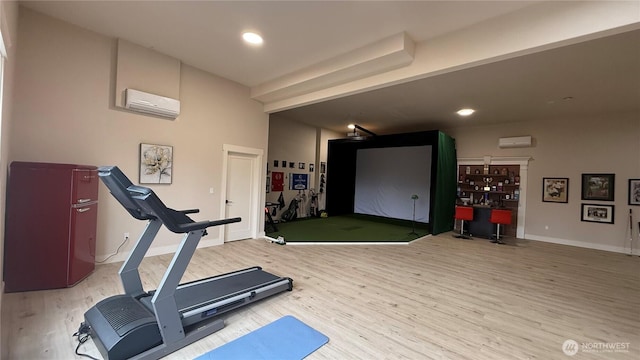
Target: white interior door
x,y
240,195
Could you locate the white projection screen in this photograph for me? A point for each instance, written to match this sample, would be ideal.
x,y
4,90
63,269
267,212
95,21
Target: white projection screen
x,y
387,178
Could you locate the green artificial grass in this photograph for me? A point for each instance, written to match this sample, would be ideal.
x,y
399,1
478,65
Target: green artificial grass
x,y
349,228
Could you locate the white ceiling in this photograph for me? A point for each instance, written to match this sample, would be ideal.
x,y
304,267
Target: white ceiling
x,y
601,75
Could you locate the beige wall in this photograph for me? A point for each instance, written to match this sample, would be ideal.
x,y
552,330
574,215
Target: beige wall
x,y
297,142
294,142
64,112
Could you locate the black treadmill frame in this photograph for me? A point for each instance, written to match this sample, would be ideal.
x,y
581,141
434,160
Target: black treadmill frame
x,y
143,204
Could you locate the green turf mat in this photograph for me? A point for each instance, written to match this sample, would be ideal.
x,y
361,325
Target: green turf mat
x,y
349,228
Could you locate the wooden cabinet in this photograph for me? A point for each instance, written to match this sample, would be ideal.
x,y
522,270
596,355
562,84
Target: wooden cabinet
x,y
492,186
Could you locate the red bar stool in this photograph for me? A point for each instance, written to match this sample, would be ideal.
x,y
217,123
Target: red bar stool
x,y
499,217
463,213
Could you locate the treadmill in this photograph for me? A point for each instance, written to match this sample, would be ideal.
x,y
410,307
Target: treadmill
x,y
150,325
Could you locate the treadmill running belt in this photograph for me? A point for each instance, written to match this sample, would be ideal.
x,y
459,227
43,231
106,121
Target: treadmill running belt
x,y
199,293
207,292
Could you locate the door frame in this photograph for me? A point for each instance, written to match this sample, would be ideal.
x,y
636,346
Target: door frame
x,y
256,183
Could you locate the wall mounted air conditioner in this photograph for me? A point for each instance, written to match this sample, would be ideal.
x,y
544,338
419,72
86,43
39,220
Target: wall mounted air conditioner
x,y
514,142
143,102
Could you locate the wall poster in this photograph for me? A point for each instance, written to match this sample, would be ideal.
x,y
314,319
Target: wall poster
x,y
298,181
277,181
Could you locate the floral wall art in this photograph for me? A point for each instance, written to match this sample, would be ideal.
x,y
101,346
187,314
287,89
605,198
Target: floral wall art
x,y
156,164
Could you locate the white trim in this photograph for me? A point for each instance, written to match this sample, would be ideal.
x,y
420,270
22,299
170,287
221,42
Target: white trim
x,y
524,171
257,199
5,38
581,244
359,242
340,243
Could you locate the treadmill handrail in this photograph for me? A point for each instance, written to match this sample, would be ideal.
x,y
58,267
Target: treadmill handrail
x,y
175,221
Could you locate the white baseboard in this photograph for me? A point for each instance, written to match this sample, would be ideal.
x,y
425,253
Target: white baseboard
x,y
359,242
582,244
336,243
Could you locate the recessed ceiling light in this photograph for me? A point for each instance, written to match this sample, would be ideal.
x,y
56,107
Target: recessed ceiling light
x,y
465,112
252,38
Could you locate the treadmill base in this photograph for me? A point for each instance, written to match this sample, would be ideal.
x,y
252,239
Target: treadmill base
x,y
191,336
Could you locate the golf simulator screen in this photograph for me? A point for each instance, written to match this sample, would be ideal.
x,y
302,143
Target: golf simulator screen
x,y
387,178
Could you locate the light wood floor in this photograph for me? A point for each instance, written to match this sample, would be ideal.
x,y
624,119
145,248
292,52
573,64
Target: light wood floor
x,y
437,298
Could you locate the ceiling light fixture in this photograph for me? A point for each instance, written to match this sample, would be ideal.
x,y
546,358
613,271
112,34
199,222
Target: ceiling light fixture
x,y
355,127
252,38
465,112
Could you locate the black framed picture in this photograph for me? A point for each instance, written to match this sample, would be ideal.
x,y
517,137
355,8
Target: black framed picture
x,y
597,213
555,190
275,163
634,191
292,164
301,165
598,186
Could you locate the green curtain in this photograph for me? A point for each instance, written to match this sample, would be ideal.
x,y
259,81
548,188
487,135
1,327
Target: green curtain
x,y
446,184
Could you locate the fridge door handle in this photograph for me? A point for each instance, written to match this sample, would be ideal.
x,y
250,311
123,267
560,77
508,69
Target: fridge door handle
x,y
81,210
82,201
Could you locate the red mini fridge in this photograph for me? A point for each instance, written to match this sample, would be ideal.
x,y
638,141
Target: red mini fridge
x,y
50,229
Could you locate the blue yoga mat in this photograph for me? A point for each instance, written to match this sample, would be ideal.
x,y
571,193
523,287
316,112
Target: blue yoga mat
x,y
284,339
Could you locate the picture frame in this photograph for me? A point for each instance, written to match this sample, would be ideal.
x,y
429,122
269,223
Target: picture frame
x,y
298,181
311,167
301,165
555,190
275,163
600,213
598,187
156,164
634,192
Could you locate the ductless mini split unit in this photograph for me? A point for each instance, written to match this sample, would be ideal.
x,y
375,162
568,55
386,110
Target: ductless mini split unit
x,y
143,102
514,142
